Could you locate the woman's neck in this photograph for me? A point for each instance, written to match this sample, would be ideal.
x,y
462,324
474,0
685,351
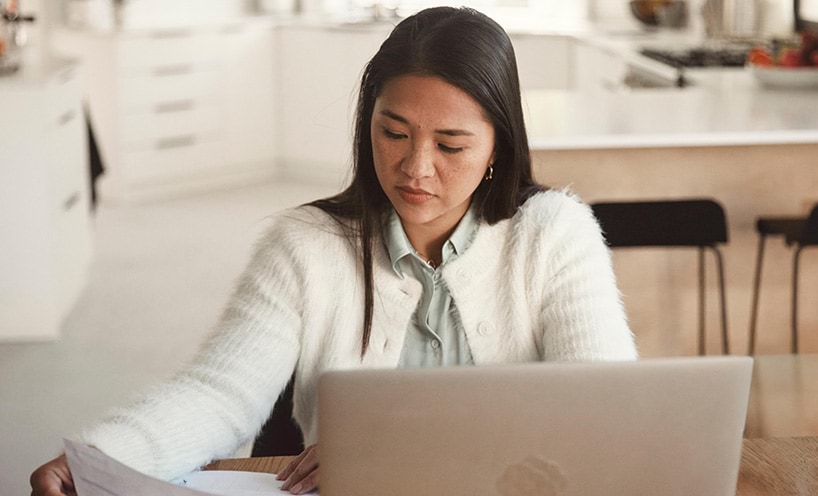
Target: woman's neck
x,y
428,244
428,239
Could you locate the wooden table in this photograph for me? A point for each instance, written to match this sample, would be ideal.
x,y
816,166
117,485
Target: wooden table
x,y
783,397
780,454
777,466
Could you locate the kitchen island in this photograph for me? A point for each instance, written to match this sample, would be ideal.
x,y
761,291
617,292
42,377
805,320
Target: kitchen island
x,y
753,149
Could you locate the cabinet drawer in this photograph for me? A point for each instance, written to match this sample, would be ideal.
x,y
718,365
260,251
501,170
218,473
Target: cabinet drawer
x,y
170,47
182,157
171,84
170,118
64,99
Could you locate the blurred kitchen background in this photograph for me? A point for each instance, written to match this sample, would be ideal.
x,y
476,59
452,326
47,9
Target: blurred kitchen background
x,y
144,142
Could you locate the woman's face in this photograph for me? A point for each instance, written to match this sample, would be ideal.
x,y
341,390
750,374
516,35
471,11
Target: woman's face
x,y
431,144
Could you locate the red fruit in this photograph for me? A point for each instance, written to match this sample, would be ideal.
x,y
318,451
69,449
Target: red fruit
x,y
791,58
815,58
760,57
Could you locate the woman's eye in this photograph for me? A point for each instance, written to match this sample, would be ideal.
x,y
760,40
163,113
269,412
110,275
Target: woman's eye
x,y
395,136
449,149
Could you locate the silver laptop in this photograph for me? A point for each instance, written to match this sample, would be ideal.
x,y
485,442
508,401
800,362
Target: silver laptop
x,y
651,427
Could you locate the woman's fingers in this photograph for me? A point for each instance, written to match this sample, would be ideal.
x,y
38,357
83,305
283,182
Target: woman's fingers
x,y
53,479
305,467
291,466
307,484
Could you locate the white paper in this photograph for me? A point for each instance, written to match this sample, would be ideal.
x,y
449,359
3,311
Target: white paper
x,y
97,474
229,483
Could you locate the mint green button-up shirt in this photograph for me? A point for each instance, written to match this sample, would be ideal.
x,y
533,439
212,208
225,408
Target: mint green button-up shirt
x,y
435,337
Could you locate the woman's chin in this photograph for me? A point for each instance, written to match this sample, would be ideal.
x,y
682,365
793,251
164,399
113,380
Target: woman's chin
x,y
416,214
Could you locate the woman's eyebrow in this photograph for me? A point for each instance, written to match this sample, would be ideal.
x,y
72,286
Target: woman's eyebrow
x,y
404,120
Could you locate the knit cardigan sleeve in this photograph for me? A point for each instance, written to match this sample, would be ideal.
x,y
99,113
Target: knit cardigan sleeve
x,y
222,398
582,316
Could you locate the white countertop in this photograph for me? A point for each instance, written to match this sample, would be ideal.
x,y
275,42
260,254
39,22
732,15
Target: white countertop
x,y
562,120
723,107
37,70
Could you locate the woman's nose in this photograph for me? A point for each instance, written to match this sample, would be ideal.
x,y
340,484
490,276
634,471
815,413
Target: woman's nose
x,y
419,162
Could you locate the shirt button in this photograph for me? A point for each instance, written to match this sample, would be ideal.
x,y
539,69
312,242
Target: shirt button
x,y
435,344
485,328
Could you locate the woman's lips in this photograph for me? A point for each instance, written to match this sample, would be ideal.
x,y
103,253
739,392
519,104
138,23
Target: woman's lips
x,y
412,195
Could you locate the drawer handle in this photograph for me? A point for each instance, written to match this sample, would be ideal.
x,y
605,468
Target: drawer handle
x,y
169,33
175,142
170,107
66,118
71,201
173,70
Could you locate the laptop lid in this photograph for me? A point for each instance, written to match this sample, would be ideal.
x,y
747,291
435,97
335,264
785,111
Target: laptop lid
x,y
659,426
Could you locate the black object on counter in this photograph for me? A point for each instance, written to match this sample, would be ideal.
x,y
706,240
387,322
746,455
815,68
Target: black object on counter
x,y
700,56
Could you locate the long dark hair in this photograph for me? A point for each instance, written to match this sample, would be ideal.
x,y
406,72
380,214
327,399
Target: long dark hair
x,y
472,52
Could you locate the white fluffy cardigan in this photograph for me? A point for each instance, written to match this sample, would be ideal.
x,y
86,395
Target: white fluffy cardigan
x,y
538,286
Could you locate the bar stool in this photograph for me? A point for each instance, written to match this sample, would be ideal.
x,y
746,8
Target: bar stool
x,y
694,223
280,435
800,232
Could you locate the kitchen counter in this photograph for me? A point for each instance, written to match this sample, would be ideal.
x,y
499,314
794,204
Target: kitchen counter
x,y
725,114
720,107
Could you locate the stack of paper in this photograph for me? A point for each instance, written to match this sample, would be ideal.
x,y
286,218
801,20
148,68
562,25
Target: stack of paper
x,y
97,474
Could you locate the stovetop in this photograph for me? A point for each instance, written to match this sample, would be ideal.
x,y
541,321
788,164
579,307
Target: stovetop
x,y
696,57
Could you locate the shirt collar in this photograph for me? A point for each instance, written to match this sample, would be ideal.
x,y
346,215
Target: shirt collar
x,y
398,245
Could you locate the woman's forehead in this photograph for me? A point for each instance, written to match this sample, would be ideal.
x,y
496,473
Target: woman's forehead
x,y
427,100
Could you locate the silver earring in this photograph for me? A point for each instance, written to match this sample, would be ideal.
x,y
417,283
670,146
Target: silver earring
x,y
489,173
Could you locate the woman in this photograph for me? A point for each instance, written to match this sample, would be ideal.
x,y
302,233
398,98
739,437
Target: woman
x,y
443,251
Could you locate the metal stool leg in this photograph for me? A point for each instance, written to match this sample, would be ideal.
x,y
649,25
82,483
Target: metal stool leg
x,y
796,256
701,301
725,342
756,293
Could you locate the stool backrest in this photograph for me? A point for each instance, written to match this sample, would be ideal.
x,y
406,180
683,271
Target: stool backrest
x,y
810,236
280,435
694,223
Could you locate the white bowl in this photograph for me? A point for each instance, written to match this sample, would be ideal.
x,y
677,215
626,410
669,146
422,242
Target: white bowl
x,y
786,77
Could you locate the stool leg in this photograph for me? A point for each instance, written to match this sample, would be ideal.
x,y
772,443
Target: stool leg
x,y
724,337
795,299
701,301
756,292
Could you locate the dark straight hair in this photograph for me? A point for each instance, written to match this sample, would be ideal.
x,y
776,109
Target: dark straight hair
x,y
468,50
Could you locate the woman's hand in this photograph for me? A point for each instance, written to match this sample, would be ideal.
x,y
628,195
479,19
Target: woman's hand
x,y
53,479
302,473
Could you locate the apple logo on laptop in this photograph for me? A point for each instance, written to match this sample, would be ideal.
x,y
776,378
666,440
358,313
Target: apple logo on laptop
x,y
534,476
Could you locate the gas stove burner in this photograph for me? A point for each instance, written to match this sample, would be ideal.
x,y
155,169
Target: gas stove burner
x,y
699,56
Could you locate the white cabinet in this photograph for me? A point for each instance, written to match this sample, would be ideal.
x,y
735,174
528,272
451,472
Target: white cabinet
x,y
543,62
320,70
45,248
597,68
179,110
